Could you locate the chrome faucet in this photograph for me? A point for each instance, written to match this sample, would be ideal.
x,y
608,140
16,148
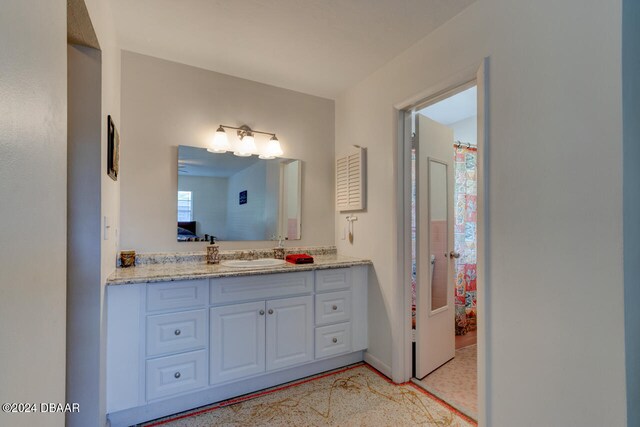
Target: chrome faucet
x,y
280,240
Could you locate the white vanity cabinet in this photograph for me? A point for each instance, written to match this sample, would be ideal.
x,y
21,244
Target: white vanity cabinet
x,y
274,333
237,341
247,339
173,346
289,332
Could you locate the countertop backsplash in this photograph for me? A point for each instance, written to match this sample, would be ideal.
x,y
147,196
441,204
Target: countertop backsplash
x,y
178,257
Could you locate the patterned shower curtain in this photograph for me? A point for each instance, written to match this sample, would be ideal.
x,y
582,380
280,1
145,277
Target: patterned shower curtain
x,y
465,238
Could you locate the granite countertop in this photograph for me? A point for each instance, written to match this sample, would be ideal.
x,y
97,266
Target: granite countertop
x,y
167,272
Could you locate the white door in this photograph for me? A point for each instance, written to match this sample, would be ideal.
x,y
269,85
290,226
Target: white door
x,y
289,331
237,342
435,311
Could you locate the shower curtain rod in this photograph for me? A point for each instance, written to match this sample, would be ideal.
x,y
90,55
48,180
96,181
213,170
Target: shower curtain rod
x,y
461,144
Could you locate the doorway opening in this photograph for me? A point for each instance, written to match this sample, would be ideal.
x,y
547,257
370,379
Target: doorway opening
x,y
444,245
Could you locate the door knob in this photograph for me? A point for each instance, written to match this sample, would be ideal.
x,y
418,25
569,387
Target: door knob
x,y
454,254
270,311
261,312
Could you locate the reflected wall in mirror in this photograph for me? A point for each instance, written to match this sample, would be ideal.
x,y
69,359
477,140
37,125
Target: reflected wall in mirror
x,y
438,245
237,198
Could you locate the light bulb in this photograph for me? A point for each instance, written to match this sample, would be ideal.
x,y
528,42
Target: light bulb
x,y
220,142
273,149
247,146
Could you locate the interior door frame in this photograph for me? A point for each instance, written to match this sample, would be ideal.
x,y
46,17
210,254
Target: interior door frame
x,y
476,75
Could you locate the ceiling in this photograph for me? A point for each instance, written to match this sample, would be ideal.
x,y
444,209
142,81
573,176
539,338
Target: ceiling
x,y
79,27
458,107
194,161
319,47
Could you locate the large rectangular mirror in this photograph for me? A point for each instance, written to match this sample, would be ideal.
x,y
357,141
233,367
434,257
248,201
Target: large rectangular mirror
x,y
237,198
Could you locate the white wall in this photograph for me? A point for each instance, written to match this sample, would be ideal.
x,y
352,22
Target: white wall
x,y
102,20
631,112
466,130
83,233
246,221
272,199
166,104
33,171
555,292
291,202
209,203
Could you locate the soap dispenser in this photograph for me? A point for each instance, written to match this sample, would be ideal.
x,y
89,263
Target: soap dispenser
x,y
278,252
213,251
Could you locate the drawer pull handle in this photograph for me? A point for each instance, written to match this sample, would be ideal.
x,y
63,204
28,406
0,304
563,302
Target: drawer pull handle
x,y
334,308
335,340
261,312
177,332
177,375
270,311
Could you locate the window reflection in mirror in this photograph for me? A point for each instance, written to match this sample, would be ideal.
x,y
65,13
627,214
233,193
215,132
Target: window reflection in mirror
x,y
237,198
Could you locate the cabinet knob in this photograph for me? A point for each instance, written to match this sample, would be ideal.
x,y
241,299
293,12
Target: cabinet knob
x,y
334,308
271,311
261,312
177,332
177,375
335,340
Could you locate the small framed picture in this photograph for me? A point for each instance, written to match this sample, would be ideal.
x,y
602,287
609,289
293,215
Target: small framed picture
x,y
113,150
243,197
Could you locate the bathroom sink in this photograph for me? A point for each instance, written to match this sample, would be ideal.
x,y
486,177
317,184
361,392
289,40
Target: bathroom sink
x,y
256,263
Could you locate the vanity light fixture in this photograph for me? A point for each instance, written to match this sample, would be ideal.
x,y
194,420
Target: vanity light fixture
x,y
273,149
247,145
220,142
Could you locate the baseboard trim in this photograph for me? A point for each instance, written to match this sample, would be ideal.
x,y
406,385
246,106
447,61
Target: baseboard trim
x,y
378,364
207,396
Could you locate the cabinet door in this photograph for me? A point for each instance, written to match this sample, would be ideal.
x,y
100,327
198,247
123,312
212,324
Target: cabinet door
x,y
237,341
289,332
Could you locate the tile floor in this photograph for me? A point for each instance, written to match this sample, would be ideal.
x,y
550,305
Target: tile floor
x,y
352,396
456,382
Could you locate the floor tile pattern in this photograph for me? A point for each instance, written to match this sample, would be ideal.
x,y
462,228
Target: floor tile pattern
x,y
456,382
354,396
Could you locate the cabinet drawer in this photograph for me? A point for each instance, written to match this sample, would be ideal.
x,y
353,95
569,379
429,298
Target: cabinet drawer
x,y
245,288
333,279
174,295
176,374
333,339
333,307
175,332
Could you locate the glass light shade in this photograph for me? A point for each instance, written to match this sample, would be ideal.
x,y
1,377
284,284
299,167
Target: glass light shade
x,y
220,142
247,146
273,149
